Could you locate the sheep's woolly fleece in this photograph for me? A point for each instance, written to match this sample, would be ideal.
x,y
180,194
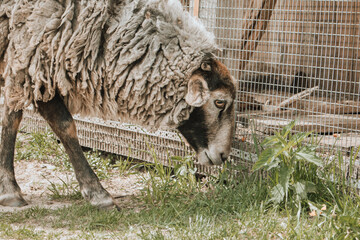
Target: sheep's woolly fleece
x,y
126,60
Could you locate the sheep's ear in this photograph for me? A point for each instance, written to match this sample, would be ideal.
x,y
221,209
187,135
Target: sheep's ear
x,y
198,91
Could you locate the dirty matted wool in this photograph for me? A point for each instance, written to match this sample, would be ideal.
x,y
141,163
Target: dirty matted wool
x,y
125,60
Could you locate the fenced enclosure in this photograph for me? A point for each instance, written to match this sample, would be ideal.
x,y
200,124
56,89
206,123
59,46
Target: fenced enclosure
x,y
292,59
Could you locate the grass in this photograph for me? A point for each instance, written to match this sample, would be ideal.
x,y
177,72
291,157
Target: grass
x,y
230,211
8,231
207,215
66,190
43,146
176,205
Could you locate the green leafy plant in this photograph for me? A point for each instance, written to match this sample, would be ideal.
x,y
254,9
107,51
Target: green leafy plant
x,y
292,163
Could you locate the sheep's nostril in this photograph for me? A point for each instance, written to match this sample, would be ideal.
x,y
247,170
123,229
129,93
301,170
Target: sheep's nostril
x,y
223,157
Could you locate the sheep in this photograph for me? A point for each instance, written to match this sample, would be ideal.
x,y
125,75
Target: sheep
x,y
146,62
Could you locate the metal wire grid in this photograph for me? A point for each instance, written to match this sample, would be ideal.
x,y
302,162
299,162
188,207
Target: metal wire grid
x,y
122,139
307,43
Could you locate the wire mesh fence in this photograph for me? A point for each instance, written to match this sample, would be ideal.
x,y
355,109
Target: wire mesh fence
x,y
292,59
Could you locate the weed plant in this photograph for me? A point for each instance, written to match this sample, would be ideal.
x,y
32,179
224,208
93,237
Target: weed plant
x,y
292,165
298,177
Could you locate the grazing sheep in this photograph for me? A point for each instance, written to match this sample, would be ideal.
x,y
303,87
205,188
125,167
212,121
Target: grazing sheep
x,y
146,62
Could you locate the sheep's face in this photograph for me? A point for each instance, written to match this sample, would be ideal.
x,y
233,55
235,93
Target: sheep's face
x,y
209,129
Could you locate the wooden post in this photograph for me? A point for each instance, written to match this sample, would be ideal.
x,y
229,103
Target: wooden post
x,y
255,24
196,8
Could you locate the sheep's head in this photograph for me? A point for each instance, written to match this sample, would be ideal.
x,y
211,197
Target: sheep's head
x,y
209,130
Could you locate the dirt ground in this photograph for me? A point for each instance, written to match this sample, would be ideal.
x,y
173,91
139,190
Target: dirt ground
x,y
35,180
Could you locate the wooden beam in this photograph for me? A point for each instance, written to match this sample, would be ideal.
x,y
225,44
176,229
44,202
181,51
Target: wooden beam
x,y
322,124
290,100
196,8
305,106
255,24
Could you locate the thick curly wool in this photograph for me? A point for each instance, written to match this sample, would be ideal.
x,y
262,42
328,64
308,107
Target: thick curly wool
x,y
126,60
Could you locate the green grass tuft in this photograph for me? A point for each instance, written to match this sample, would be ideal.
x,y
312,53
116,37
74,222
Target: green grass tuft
x,y
67,190
9,232
44,147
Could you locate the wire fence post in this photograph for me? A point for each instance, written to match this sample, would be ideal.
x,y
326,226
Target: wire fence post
x,y
196,5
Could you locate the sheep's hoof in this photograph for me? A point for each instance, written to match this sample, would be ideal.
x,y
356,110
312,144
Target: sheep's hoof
x,y
113,207
12,200
108,206
100,199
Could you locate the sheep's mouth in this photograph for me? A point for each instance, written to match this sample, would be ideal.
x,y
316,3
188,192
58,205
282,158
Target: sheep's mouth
x,y
210,160
205,158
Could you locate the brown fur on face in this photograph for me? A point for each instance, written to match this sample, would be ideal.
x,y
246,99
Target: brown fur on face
x,y
210,128
226,77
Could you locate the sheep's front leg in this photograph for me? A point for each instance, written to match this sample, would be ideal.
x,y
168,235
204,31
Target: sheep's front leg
x,y
62,123
10,193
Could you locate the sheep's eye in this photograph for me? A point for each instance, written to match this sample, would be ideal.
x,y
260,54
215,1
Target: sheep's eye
x,y
220,103
206,67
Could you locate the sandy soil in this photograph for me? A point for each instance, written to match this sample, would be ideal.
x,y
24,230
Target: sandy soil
x,y
35,178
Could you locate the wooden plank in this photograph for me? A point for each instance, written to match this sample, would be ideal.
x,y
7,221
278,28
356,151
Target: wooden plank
x,y
344,141
321,124
255,24
196,8
339,141
348,12
310,105
341,107
289,101
246,118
